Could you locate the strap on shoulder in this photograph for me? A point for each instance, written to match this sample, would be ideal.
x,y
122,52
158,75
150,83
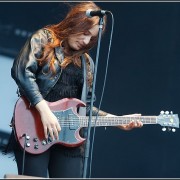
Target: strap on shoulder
x,y
82,110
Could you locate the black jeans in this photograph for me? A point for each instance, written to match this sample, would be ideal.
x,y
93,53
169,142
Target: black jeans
x,y
57,162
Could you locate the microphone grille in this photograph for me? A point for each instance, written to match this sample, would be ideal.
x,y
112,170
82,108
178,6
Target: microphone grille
x,y
88,13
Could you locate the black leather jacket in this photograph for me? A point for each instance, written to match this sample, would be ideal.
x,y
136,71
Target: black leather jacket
x,y
29,75
32,79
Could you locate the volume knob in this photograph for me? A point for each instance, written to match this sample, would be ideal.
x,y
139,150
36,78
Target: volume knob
x,y
35,139
36,146
28,144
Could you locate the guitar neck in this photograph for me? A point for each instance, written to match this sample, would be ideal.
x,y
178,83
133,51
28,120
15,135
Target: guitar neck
x,y
116,120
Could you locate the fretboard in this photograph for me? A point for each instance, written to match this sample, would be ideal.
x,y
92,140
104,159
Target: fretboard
x,y
116,120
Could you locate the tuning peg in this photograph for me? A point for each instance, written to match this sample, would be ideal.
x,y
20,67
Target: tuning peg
x,y
162,112
167,112
163,129
173,130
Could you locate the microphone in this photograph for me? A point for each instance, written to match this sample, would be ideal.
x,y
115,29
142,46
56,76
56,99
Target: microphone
x,y
90,13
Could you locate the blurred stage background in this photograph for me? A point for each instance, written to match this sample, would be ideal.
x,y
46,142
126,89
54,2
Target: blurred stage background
x,y
143,77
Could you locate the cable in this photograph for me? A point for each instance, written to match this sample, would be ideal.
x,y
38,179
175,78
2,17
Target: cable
x,y
102,92
24,135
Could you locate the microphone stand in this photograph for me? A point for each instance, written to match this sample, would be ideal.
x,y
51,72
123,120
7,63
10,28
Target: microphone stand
x,y
87,147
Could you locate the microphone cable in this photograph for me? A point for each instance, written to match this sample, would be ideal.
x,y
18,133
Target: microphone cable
x,y
107,63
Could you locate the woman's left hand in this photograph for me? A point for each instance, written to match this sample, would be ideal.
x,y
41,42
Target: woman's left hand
x,y
132,124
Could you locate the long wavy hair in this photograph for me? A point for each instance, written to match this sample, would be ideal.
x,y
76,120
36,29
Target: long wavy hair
x,y
75,22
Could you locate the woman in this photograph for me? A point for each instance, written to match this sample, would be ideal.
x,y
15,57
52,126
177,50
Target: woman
x,y
49,68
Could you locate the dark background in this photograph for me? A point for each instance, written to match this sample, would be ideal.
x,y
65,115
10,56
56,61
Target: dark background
x,y
143,77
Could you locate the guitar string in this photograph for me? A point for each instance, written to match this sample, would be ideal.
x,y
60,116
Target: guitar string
x,y
110,119
107,120
83,121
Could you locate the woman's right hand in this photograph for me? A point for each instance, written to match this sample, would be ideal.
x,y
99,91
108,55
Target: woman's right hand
x,y
49,120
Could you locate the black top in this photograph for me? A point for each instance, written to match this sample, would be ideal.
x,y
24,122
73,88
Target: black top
x,y
69,84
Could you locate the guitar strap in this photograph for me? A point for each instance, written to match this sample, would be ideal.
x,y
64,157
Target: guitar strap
x,y
82,110
85,89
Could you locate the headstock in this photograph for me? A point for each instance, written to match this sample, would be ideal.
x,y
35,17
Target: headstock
x,y
169,120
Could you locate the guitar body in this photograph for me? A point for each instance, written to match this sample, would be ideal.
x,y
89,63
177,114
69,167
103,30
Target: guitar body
x,y
29,129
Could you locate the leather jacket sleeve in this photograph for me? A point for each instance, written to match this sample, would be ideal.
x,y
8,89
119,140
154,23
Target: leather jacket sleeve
x,y
25,67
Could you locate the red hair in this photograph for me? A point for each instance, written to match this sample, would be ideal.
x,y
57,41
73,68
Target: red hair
x,y
75,22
